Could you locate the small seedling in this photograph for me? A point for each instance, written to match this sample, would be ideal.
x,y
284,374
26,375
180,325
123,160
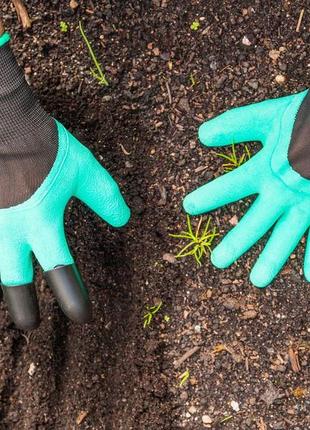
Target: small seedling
x,y
96,72
199,243
184,377
167,318
225,419
151,312
195,25
233,160
64,27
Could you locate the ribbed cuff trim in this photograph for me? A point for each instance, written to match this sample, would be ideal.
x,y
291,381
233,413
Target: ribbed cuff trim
x,y
5,38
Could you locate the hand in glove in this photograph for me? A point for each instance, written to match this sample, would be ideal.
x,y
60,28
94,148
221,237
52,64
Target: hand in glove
x,y
41,167
279,175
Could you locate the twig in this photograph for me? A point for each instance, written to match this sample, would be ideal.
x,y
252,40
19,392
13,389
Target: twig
x,y
300,20
186,356
1,27
22,13
169,93
294,360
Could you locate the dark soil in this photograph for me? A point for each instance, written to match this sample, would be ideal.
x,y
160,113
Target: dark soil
x,y
113,373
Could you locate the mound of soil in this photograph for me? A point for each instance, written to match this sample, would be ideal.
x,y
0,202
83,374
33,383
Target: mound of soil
x,y
248,350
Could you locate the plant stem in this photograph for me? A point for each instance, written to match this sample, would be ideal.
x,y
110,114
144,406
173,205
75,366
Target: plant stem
x,y
90,49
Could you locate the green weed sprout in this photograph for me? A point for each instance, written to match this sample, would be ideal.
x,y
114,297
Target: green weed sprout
x,y
167,318
195,25
64,27
233,160
151,312
96,72
184,377
199,243
192,79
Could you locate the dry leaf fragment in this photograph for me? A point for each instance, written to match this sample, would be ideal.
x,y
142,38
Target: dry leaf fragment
x,y
261,424
219,348
81,417
299,392
293,356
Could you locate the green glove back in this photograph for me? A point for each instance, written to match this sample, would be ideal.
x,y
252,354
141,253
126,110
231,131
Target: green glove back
x,y
279,174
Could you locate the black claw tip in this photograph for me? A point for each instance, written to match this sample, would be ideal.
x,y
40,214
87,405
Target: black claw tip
x,y
70,292
23,306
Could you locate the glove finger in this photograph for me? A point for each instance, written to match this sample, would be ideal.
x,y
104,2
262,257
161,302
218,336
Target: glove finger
x,y
285,237
253,225
18,291
242,124
52,252
221,191
307,260
101,193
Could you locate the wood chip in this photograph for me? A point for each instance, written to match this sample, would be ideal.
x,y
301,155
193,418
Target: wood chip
x,y
249,314
168,92
81,417
293,356
22,13
261,424
186,356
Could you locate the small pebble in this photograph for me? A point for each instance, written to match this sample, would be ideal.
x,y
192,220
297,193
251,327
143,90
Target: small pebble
x,y
197,329
234,220
192,410
246,41
235,406
169,257
206,419
280,79
184,395
32,369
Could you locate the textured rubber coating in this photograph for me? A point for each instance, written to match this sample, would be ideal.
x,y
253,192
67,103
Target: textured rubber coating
x,y
72,296
298,153
23,306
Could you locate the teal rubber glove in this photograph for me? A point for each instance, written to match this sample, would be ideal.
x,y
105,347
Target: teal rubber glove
x,y
42,166
279,174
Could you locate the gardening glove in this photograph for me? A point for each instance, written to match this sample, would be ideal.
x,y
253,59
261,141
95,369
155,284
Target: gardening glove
x,y
279,174
41,167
